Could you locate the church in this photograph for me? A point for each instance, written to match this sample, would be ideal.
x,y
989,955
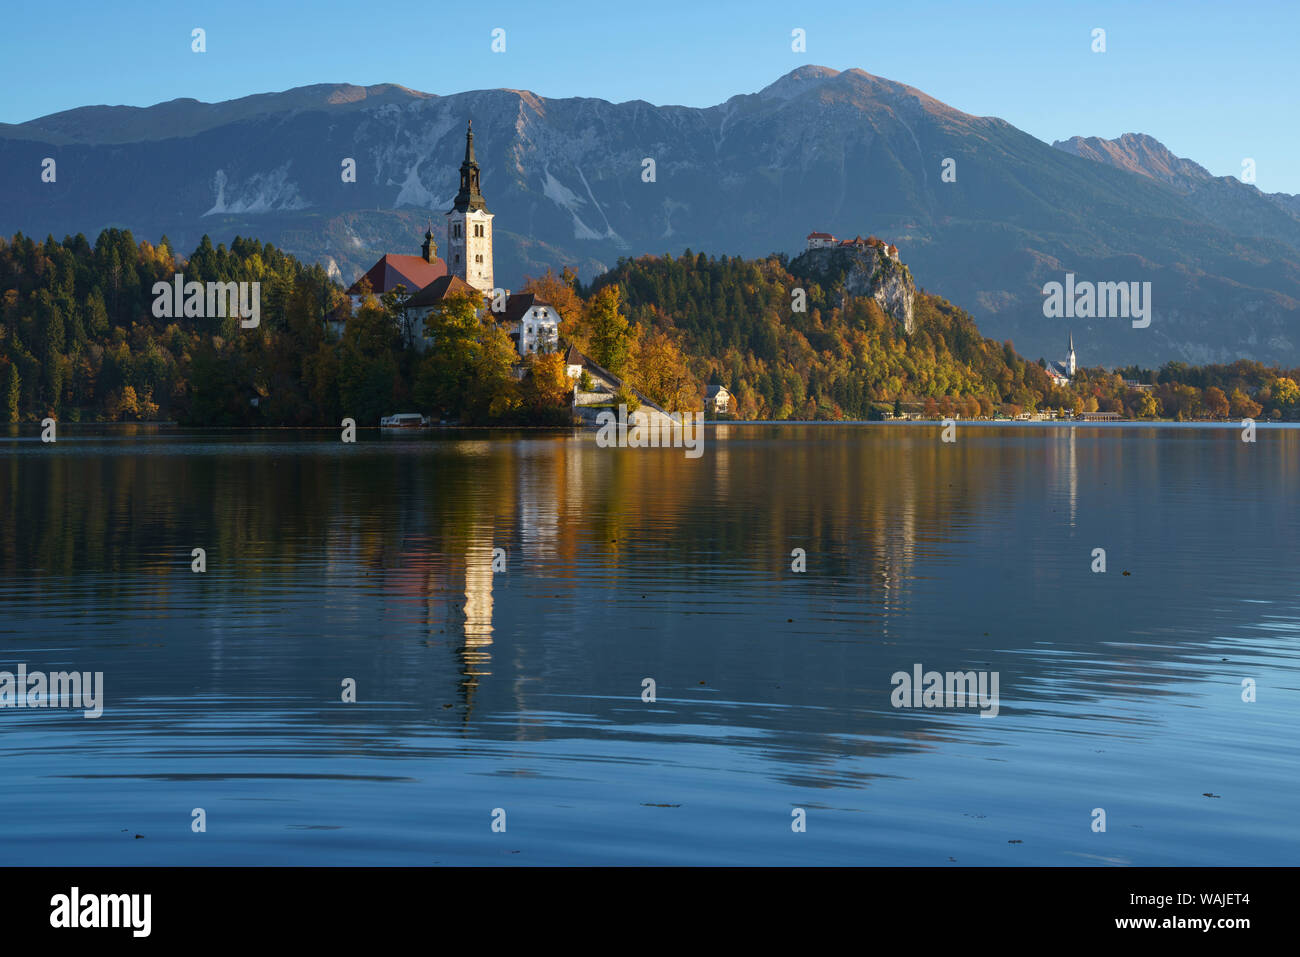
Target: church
x,y
532,324
1060,373
469,241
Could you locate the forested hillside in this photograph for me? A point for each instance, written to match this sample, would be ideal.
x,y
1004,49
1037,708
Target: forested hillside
x,y
79,341
844,358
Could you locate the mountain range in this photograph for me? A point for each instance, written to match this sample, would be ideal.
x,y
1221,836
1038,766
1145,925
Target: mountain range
x,y
843,152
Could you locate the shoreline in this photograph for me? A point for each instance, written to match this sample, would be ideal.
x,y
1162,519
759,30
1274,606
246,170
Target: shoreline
x,y
35,428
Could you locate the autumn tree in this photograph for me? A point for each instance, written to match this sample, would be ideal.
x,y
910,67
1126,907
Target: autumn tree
x,y
1285,391
1216,403
1242,406
547,387
559,292
659,369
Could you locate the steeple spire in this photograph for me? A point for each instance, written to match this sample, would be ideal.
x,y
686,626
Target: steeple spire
x,y
430,248
469,197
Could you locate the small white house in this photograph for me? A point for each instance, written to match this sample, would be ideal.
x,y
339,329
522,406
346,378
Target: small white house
x,y
820,240
532,323
573,363
718,398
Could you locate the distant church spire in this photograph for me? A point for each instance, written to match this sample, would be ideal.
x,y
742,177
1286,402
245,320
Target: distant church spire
x,y
469,198
1069,357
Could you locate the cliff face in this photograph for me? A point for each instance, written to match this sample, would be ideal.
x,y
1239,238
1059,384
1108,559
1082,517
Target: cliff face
x,y
863,272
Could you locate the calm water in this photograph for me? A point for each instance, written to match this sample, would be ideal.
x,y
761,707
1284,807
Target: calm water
x,y
521,690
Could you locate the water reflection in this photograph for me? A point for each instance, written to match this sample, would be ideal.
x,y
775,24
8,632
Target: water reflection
x,y
376,562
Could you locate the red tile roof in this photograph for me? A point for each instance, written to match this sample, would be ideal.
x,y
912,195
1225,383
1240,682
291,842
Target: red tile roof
x,y
395,270
820,236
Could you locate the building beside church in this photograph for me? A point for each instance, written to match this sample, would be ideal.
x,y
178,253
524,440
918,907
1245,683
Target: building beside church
x,y
532,323
422,303
393,270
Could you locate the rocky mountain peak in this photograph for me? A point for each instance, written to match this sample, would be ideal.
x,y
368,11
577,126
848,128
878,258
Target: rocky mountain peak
x,y
1141,154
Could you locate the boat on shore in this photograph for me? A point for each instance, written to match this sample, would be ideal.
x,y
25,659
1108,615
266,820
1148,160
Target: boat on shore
x,y
405,420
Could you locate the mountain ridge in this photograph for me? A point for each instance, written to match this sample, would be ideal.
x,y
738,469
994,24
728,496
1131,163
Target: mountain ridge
x,y
817,149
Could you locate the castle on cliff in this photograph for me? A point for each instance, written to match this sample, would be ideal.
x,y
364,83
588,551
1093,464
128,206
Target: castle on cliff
x,y
827,241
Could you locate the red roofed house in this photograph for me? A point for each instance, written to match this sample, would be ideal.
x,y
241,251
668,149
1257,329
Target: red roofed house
x,y
820,240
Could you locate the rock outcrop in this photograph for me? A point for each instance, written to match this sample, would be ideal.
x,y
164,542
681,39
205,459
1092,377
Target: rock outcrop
x,y
867,271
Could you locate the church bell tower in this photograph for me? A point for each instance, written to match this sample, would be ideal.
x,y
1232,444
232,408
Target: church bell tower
x,y
469,226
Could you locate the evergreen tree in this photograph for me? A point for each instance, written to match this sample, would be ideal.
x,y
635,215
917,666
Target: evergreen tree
x,y
12,393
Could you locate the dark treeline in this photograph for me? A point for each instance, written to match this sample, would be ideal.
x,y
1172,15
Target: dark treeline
x,y
79,341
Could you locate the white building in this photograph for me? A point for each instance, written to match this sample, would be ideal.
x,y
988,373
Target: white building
x,y
532,323
718,397
469,226
573,363
820,240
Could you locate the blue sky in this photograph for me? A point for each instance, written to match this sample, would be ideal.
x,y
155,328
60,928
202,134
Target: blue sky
x,y
1215,82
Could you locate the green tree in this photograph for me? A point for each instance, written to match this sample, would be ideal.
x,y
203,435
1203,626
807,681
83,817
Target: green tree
x,y
445,375
610,334
493,392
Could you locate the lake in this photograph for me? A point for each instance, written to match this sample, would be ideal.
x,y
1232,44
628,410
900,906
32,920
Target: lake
x,y
502,713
